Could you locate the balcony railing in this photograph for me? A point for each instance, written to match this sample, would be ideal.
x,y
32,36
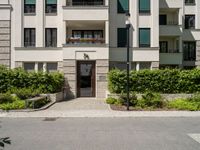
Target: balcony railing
x,y
170,51
85,40
85,3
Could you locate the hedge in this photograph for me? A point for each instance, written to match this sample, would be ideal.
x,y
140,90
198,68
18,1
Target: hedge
x,y
18,78
162,81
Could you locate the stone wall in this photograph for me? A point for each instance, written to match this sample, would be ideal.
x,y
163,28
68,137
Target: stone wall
x,y
5,42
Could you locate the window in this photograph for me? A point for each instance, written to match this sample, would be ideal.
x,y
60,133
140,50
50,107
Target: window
x,y
163,46
122,6
29,66
189,21
162,19
51,6
189,51
41,66
51,37
51,67
189,2
29,37
144,37
144,6
29,6
121,37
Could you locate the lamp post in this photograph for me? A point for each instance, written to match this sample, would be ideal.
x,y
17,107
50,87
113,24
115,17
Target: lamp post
x,y
128,25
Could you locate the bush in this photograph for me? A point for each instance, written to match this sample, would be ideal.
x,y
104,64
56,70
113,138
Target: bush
x,y
184,104
111,100
17,104
18,78
132,98
25,93
153,100
159,81
6,98
39,104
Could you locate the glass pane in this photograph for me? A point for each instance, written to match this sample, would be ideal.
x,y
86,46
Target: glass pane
x,y
52,67
144,37
86,80
123,6
122,37
29,66
144,5
40,66
30,1
51,2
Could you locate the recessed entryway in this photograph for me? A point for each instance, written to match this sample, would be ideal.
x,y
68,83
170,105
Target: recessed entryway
x,y
86,79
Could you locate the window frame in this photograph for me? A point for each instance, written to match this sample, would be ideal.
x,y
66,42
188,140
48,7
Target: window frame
x,y
54,10
31,42
188,52
122,11
31,7
51,37
187,26
145,11
145,45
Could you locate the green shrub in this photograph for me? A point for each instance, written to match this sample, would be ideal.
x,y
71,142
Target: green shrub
x,y
17,104
111,100
153,100
18,78
132,98
25,93
39,104
6,98
159,81
183,104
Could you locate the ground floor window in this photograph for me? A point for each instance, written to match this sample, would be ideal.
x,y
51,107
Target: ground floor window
x,y
40,66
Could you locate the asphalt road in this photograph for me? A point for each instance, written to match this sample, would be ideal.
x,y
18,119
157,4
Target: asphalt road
x,y
101,133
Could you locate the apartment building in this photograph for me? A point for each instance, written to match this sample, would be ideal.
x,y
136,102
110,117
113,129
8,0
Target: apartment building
x,y
86,38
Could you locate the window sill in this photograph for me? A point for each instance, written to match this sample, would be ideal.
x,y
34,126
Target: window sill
x,y
29,14
144,13
51,14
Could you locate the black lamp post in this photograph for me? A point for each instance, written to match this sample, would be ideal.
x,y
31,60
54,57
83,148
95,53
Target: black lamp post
x,y
128,25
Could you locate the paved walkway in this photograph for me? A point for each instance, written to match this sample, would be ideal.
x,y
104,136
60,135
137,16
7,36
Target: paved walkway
x,y
94,108
81,104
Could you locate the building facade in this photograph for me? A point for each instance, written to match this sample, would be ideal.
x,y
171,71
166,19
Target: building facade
x,y
86,38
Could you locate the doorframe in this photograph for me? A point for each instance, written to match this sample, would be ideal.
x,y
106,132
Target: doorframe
x,y
78,62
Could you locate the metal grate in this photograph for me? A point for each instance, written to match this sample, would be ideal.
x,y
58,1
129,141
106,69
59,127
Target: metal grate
x,y
50,119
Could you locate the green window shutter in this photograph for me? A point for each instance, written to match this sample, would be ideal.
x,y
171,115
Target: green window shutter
x,y
51,2
121,37
30,1
144,37
144,6
122,6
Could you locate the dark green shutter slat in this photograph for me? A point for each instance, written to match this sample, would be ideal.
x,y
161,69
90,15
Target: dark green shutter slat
x,y
30,1
51,1
123,6
144,5
121,37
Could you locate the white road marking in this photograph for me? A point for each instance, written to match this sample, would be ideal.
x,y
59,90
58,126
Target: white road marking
x,y
196,137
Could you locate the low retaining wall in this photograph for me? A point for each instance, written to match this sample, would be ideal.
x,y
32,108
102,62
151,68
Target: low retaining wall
x,y
165,96
56,97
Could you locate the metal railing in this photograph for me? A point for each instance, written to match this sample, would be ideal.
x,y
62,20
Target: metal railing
x,y
85,40
85,3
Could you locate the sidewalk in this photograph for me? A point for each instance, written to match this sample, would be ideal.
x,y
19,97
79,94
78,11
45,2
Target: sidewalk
x,y
99,113
93,108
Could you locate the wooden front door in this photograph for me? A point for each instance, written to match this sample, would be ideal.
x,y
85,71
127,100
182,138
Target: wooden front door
x,y
86,79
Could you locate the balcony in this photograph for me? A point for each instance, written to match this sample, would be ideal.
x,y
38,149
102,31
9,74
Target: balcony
x,y
170,30
82,33
171,58
171,3
86,10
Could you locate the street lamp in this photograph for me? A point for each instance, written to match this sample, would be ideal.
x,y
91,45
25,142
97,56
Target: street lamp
x,y
128,25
